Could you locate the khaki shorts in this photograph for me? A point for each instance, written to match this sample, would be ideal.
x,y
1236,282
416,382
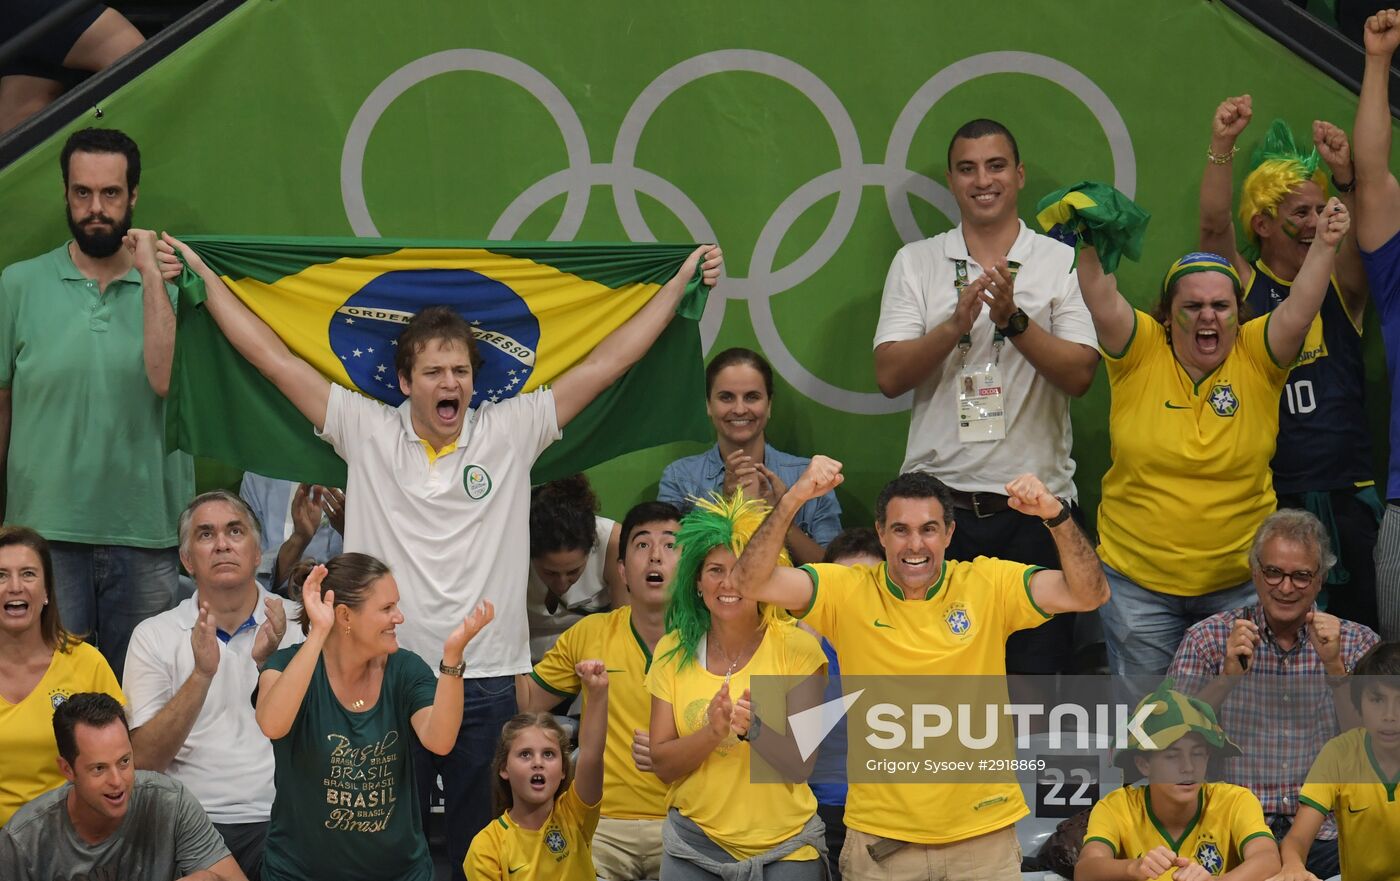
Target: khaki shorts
x,y
627,850
995,856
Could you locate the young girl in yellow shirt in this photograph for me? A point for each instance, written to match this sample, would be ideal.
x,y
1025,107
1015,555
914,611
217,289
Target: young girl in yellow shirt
x,y
548,810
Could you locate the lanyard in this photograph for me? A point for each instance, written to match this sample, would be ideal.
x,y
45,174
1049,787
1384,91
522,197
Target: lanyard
x,y
965,344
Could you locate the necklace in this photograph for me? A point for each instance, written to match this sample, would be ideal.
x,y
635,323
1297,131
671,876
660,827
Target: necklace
x,y
358,704
733,659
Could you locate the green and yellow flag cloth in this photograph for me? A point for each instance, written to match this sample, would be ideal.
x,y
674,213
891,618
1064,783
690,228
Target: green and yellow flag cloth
x,y
1098,214
340,304
1174,715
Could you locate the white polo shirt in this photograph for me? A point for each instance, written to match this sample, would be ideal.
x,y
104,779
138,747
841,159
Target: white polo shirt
x,y
456,529
919,295
226,762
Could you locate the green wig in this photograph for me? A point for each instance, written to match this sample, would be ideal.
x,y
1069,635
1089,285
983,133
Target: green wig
x,y
712,523
1276,169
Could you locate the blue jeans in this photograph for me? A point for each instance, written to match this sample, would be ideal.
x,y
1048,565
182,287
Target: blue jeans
x,y
104,591
1142,628
468,786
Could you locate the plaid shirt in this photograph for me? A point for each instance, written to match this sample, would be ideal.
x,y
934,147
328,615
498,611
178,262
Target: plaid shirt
x,y
1281,712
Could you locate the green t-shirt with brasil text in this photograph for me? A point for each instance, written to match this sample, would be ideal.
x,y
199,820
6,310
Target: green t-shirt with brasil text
x,y
347,801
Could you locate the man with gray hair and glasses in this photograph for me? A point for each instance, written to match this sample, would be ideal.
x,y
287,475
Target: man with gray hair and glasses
x,y
191,672
1276,672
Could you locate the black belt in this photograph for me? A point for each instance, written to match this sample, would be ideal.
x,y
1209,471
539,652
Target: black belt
x,y
981,504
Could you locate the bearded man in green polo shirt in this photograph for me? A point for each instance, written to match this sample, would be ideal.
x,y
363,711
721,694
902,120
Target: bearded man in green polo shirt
x,y
87,333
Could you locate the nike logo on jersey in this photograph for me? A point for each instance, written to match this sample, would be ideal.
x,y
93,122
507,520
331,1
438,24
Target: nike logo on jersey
x,y
517,869
1352,810
1171,406
879,623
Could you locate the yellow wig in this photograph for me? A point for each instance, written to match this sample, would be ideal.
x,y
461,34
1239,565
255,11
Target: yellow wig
x,y
1278,168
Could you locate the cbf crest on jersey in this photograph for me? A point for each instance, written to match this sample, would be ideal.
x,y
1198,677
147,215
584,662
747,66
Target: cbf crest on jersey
x,y
1208,857
959,620
1222,399
555,841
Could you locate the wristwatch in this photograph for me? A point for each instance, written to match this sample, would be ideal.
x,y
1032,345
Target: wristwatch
x,y
458,670
1016,324
1058,518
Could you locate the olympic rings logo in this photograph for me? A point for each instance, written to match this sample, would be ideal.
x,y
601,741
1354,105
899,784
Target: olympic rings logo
x,y
764,279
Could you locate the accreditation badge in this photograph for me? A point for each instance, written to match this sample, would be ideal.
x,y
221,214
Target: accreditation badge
x,y
981,414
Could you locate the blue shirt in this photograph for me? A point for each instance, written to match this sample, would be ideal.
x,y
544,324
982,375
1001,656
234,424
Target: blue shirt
x,y
1383,272
695,477
1323,439
271,500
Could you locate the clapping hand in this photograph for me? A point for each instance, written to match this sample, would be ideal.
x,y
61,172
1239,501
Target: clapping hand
x,y
471,625
742,717
997,291
319,605
720,712
271,632
204,641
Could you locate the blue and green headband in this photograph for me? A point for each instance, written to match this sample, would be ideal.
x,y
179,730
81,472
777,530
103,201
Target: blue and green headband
x,y
1202,261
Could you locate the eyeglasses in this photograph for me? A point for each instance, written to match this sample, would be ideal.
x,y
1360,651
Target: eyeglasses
x,y
1273,576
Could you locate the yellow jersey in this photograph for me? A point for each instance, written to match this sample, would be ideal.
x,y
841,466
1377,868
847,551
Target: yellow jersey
x,y
1347,781
1189,481
1227,818
958,629
27,747
560,850
744,818
628,794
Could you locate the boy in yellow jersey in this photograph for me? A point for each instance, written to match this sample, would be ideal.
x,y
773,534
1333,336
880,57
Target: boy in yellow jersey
x,y
1355,779
918,614
1177,826
627,843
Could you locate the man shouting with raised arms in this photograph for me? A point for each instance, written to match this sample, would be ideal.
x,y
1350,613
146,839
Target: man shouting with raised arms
x,y
441,493
917,614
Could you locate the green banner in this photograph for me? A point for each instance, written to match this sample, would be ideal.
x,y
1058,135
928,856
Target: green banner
x,y
808,139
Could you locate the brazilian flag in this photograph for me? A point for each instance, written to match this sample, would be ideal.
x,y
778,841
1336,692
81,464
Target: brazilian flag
x,y
340,304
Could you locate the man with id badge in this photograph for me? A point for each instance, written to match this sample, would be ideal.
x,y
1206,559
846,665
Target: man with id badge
x,y
986,325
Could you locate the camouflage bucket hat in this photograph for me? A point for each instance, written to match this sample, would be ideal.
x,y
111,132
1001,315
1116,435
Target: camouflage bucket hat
x,y
1174,716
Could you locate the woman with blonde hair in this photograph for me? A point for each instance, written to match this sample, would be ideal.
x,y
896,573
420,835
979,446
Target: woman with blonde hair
x,y
342,709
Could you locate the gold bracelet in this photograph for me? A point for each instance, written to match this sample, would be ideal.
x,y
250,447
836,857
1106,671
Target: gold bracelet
x,y
1217,159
